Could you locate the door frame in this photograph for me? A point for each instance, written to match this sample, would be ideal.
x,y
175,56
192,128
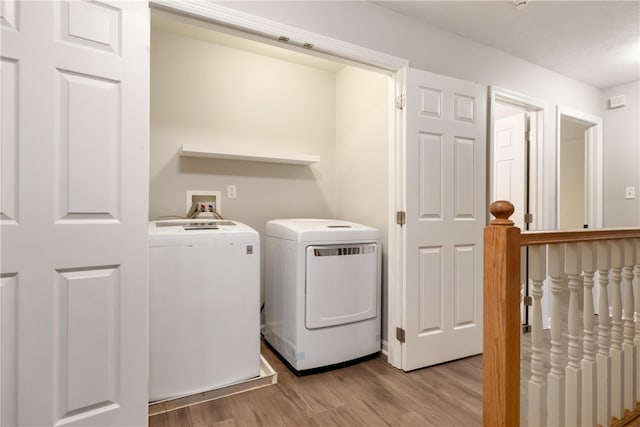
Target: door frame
x,y
536,150
535,192
245,25
594,162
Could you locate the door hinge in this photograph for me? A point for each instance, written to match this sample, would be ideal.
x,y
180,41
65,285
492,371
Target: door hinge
x,y
529,136
528,218
401,101
401,217
527,300
400,335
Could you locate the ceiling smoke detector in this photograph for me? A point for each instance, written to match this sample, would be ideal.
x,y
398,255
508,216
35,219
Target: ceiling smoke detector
x,y
520,4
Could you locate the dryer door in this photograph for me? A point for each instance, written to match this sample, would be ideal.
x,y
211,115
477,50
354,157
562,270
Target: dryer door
x,y
342,283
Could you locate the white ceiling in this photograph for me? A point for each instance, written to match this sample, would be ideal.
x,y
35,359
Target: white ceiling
x,y
597,42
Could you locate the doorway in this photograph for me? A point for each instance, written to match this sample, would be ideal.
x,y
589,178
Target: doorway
x,y
511,159
579,169
517,129
572,185
516,132
228,90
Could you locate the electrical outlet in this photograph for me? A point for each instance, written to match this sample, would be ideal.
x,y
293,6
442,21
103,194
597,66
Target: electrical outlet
x,y
630,192
231,192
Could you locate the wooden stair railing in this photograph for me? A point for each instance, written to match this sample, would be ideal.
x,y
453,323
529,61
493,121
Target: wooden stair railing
x,y
502,321
501,308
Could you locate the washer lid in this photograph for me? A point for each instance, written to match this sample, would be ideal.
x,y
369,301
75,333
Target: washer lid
x,y
308,229
183,232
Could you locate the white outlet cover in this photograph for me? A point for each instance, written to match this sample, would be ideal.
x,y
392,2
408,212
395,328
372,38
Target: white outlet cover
x,y
630,192
231,192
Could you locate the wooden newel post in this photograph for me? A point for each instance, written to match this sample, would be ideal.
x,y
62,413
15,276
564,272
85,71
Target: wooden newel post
x,y
501,358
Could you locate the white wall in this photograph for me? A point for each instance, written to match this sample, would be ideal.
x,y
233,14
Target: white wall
x,y
622,157
369,25
210,94
362,147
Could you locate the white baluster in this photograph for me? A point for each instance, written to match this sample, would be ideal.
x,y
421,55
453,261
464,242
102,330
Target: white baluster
x,y
636,338
573,391
537,410
617,406
556,379
628,348
603,360
588,363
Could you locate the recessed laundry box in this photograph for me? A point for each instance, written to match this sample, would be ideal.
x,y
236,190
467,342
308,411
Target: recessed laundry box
x,y
204,306
322,292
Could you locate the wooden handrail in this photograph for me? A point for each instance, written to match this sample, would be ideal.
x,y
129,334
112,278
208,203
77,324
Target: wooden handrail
x,y
531,238
501,310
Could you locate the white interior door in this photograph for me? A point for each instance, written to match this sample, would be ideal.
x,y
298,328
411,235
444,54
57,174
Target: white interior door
x,y
509,164
445,214
73,290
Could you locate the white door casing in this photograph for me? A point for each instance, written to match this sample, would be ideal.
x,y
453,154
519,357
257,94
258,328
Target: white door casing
x,y
509,164
73,290
445,194
395,265
509,170
537,111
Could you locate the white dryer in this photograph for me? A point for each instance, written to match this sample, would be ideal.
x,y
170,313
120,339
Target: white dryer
x,y
322,292
204,306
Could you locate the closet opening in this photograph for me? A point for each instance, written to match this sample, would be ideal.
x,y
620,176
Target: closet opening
x,y
310,135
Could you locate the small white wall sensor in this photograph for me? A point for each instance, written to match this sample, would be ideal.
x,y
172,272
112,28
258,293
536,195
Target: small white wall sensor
x,y
617,102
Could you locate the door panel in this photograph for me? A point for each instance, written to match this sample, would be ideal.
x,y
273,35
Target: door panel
x,y
509,164
464,291
430,308
464,177
445,211
88,166
8,349
74,230
86,310
9,72
430,184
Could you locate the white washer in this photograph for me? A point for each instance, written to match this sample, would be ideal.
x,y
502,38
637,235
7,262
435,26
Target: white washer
x,y
204,306
322,292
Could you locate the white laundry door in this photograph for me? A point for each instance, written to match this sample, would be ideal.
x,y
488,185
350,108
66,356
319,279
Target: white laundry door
x,y
445,215
509,164
73,290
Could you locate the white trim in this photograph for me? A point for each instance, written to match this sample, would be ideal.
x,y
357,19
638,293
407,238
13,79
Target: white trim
x,y
385,348
594,154
536,173
273,30
395,233
251,25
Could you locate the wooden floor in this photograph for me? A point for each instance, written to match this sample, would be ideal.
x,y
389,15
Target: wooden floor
x,y
371,393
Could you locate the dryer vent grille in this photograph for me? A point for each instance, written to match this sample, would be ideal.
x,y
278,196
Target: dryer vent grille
x,y
338,251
